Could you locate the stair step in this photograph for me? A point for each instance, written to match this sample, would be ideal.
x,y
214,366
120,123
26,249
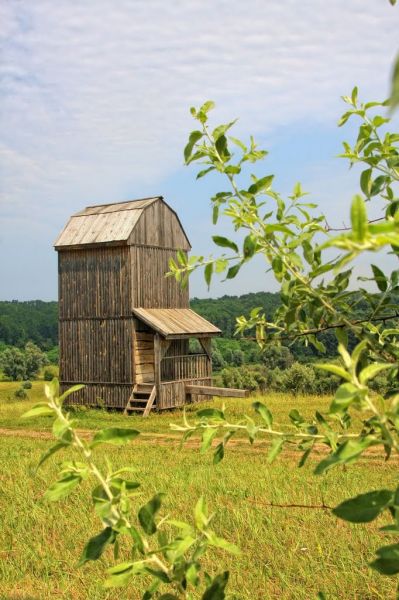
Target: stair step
x,y
141,400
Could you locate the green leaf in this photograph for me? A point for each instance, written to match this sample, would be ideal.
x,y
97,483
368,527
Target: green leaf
x,y
337,370
261,185
50,452
41,409
218,542
215,590
225,243
204,172
221,130
96,545
69,391
359,218
296,417
379,278
201,514
344,118
387,562
365,507
137,539
276,448
51,389
194,137
211,413
208,271
207,106
372,370
62,488
238,143
249,246
344,396
394,98
147,514
218,454
180,547
232,272
378,184
207,437
117,436
365,182
348,452
264,412
121,574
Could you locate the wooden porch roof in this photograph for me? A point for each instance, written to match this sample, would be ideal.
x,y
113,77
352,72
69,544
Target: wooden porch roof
x,y
176,322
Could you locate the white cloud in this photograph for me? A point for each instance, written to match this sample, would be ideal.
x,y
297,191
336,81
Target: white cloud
x,y
96,94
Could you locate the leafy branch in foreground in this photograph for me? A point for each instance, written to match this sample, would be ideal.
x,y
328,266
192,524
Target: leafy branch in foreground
x,y
164,551
331,432
314,268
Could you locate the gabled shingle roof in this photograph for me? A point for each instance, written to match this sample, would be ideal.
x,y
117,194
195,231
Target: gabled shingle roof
x,y
106,223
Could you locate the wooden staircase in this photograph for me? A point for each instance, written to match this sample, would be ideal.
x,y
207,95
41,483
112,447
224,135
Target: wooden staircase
x,y
142,399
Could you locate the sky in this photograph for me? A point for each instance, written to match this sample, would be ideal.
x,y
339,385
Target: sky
x,y
94,108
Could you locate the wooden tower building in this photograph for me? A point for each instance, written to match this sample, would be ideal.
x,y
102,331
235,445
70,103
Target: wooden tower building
x,y
124,327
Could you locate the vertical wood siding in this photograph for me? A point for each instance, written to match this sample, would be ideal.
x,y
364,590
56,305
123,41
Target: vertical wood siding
x,y
150,287
94,282
159,226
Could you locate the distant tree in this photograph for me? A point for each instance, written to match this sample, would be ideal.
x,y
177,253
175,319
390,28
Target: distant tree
x,y
35,359
299,379
24,364
12,361
238,358
218,361
277,357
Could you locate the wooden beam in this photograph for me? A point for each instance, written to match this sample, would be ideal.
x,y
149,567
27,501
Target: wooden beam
x,y
206,344
164,347
216,391
157,363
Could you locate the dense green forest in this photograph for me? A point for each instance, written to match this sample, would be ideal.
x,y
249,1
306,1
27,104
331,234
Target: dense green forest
x,y
36,321
237,362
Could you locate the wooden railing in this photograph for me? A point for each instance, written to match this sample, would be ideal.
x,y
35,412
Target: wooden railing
x,y
187,366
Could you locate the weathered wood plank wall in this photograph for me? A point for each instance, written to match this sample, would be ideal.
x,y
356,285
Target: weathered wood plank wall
x,y
95,324
94,282
150,287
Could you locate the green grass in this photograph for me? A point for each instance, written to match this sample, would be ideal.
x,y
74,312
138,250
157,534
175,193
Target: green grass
x,y
11,410
287,554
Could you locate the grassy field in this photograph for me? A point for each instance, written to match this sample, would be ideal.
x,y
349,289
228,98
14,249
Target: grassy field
x,y
286,554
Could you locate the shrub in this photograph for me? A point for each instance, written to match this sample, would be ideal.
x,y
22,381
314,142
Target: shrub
x,y
277,357
299,379
24,364
13,364
53,355
26,385
50,372
20,393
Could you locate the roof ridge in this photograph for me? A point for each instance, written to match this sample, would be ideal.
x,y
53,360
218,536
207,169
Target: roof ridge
x,y
124,201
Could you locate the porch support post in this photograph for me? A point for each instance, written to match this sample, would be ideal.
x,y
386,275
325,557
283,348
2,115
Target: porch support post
x,y
157,365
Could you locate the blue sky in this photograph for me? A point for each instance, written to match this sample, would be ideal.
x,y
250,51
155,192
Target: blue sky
x,y
94,108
